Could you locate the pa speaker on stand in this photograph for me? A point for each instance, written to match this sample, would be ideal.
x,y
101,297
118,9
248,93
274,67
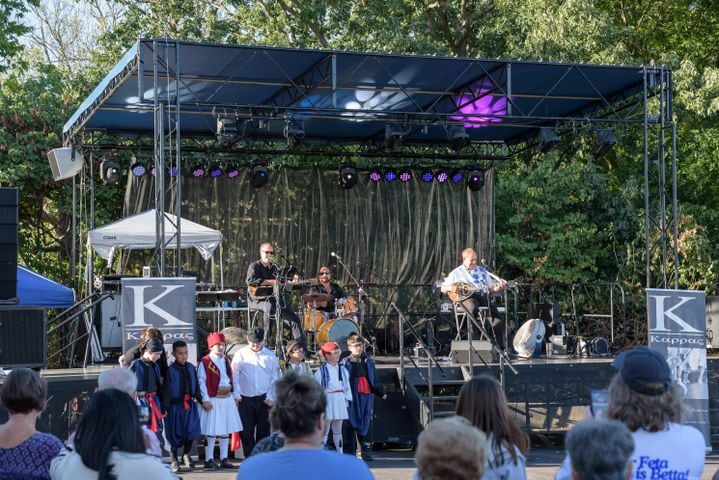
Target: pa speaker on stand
x,y
8,245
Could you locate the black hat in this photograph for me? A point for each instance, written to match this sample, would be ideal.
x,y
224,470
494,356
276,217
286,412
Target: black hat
x,y
154,345
644,370
256,335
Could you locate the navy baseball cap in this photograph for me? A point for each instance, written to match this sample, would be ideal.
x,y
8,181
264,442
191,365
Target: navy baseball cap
x,y
644,370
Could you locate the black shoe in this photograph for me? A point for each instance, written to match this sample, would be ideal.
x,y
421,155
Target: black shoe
x,y
211,465
367,457
225,463
187,461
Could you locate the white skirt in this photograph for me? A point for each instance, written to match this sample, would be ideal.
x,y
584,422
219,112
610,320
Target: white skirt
x,y
223,419
336,406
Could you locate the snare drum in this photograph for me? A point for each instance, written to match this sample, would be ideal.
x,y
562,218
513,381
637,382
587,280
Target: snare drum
x,y
336,331
313,319
346,308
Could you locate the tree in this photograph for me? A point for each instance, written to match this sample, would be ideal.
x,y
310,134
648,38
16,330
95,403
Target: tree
x,y
12,27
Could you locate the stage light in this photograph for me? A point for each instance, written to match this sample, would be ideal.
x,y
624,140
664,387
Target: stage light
x,y
427,176
110,172
605,142
215,171
390,175
475,179
348,176
226,129
138,169
441,176
405,175
198,171
547,139
233,171
375,175
294,132
394,134
458,137
258,174
456,176
172,171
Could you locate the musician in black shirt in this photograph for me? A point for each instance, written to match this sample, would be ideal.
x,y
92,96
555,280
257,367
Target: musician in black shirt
x,y
262,277
328,287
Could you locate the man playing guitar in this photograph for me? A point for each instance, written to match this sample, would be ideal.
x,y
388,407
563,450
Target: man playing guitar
x,y
471,285
262,278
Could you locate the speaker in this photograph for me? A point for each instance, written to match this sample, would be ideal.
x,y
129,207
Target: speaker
x,y
8,245
65,162
23,340
482,351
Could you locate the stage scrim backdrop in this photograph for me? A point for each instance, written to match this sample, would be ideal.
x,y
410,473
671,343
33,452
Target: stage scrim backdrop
x,y
387,233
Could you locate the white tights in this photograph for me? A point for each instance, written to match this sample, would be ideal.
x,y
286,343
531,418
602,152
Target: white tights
x,y
336,434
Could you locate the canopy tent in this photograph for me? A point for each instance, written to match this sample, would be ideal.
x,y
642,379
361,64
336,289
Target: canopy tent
x,y
138,232
34,290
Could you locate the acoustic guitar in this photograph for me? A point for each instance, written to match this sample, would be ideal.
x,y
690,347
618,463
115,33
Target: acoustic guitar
x,y
263,292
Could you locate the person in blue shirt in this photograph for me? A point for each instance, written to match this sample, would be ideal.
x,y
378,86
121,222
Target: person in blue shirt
x,y
300,413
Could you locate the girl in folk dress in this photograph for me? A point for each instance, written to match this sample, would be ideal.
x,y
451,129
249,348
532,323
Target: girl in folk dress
x,y
334,379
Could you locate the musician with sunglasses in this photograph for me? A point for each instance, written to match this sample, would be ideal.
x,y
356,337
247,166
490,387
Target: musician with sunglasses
x,y
328,287
477,280
262,277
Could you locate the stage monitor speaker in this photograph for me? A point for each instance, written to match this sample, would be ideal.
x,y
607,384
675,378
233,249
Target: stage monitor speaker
x,y
9,198
23,340
65,162
482,351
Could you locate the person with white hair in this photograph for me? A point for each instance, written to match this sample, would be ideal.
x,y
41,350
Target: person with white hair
x,y
600,449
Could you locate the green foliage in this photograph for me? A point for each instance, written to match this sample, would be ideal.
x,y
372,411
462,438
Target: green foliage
x,y
12,27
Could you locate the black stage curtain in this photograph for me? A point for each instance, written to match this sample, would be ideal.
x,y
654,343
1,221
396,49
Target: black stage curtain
x,y
388,234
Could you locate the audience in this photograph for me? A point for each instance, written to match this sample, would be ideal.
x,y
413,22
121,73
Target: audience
x,y
25,452
450,449
108,444
482,402
644,398
600,449
300,413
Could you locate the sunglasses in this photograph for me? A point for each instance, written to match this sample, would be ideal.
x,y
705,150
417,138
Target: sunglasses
x,y
269,252
324,273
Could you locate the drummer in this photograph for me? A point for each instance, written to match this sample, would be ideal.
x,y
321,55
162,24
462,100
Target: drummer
x,y
327,287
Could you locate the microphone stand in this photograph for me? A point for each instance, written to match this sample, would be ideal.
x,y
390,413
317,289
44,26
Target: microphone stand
x,y
360,293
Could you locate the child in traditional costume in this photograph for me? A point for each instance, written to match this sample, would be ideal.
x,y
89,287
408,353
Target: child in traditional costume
x,y
334,378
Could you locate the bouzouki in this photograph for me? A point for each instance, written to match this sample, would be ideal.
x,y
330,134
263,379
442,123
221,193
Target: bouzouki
x,y
465,290
263,292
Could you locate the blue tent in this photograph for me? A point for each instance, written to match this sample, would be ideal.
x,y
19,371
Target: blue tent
x,y
34,290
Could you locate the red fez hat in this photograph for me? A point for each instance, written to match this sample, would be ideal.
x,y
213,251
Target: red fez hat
x,y
214,338
328,347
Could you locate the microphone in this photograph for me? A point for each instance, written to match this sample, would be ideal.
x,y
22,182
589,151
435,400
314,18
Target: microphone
x,y
333,254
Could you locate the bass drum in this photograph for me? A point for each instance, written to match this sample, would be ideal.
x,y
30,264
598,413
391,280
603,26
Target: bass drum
x,y
336,331
313,319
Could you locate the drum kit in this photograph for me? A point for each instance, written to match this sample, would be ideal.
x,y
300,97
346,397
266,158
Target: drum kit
x,y
330,326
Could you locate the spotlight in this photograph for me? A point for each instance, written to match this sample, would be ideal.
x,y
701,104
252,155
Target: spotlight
x,y
198,171
394,134
215,171
547,139
375,175
605,142
456,176
138,169
110,172
172,171
458,137
226,129
427,176
390,175
258,174
405,175
233,171
348,176
441,176
294,132
475,179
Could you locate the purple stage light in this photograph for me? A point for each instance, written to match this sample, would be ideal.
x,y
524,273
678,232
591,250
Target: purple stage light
x,y
198,171
442,176
405,175
457,176
375,175
215,171
480,110
138,169
232,172
427,176
173,171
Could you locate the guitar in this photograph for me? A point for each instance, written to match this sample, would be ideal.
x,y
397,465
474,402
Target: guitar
x,y
263,292
465,290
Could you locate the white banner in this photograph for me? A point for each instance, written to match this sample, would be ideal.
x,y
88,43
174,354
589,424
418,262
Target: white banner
x,y
677,328
167,304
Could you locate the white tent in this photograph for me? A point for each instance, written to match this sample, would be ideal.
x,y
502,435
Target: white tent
x,y
138,232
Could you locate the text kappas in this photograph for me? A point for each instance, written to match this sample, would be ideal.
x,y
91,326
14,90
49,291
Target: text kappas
x,y
647,468
698,341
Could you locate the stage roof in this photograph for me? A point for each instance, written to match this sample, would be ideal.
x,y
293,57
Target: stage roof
x,y
350,97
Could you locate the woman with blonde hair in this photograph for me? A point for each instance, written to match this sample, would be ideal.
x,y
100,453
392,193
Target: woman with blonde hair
x,y
482,402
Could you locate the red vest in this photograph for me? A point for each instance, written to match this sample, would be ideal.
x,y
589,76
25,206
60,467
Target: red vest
x,y
213,374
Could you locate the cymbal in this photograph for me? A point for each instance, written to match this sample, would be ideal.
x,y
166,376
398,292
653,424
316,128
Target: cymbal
x,y
317,298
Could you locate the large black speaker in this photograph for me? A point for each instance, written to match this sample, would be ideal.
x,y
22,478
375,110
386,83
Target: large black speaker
x,y
23,339
8,245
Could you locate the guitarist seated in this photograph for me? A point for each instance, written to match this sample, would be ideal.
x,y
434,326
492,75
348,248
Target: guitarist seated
x,y
261,279
471,285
